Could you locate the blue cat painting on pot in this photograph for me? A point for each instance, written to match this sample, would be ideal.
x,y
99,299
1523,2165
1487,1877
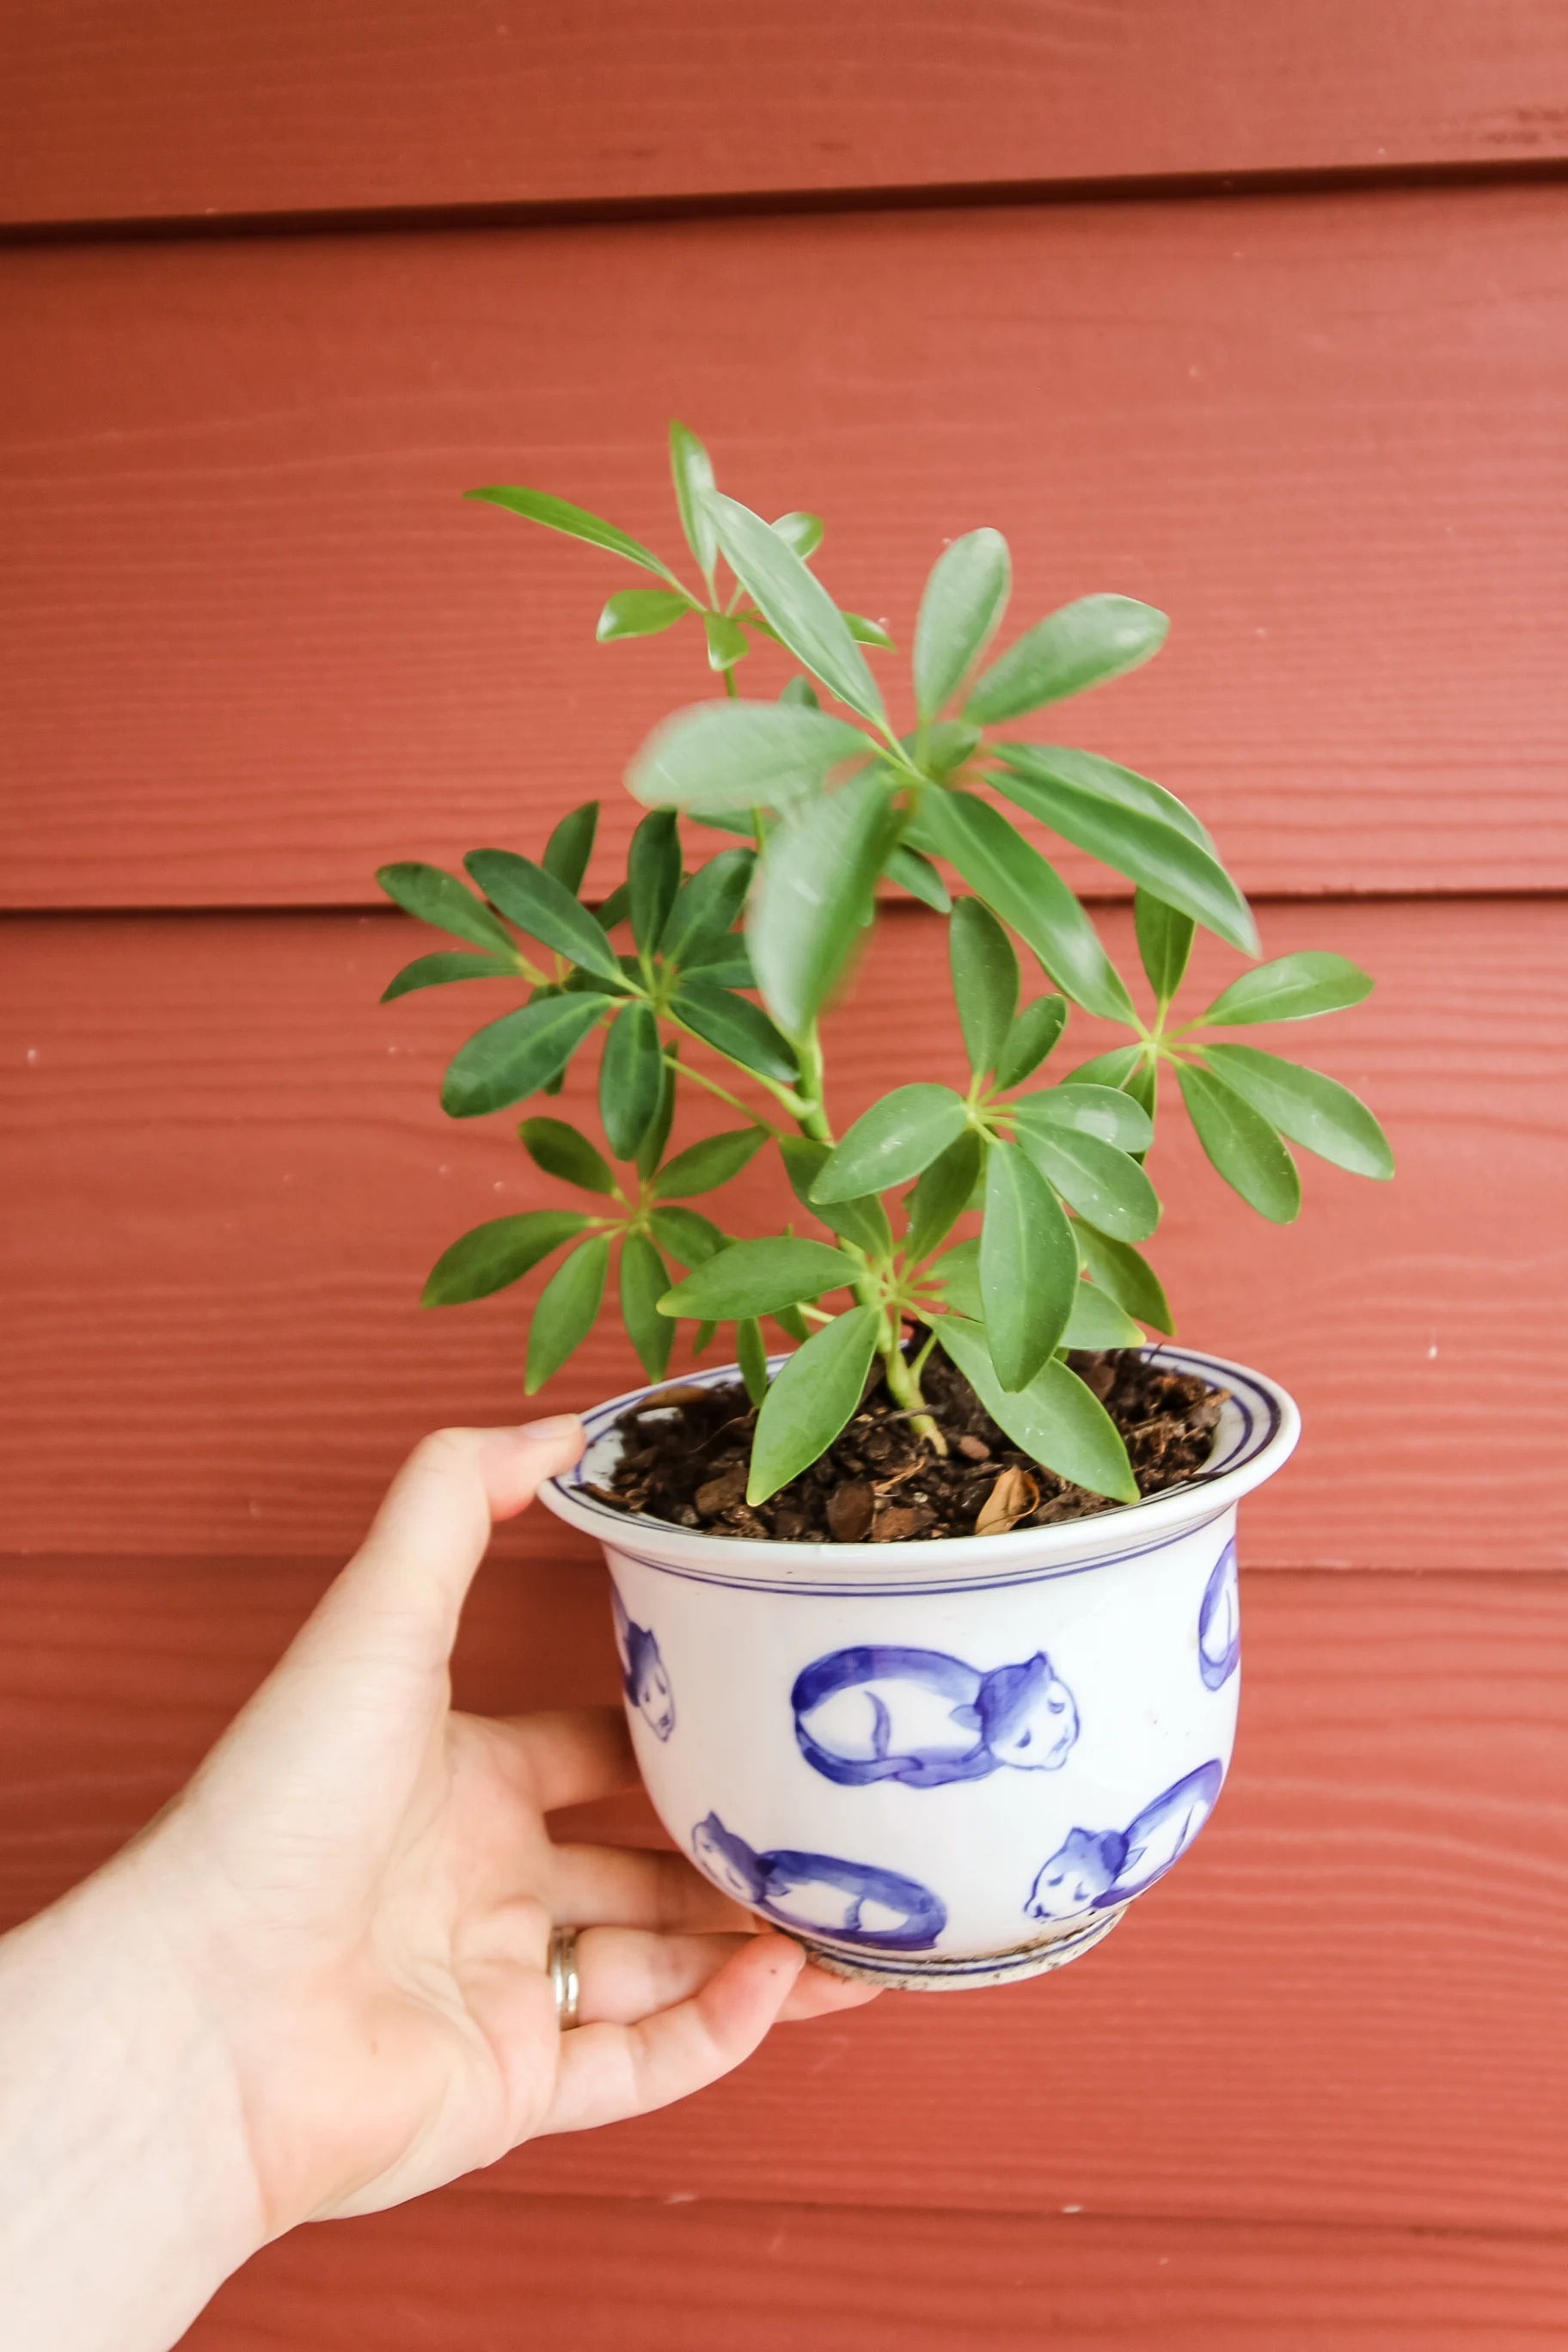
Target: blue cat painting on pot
x,y
1092,1869
643,1676
851,1902
923,1718
1219,1622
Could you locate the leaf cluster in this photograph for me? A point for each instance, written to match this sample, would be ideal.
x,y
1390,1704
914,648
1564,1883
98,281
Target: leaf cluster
x,y
1002,1220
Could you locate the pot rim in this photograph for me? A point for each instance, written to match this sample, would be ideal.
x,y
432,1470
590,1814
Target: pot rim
x,y
1259,1424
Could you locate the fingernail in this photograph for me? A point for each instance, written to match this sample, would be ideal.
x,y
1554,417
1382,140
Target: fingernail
x,y
545,1433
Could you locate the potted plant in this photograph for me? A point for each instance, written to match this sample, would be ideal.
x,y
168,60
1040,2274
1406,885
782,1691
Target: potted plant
x,y
928,1624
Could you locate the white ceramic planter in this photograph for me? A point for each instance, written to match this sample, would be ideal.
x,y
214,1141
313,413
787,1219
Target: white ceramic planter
x,y
941,1764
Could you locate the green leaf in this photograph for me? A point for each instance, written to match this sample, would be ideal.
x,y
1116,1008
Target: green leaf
x,y
643,1281
517,1054
816,1393
985,981
1291,987
726,641
1130,1280
702,1337
558,514
1030,1039
1111,1069
791,1320
440,898
655,1134
1101,1183
1308,1108
615,908
562,1151
863,1222
564,1315
1241,1144
867,633
437,971
1055,1420
750,1354
918,876
816,881
1164,944
958,1269
1084,1110
707,905
802,532
715,756
1028,1263
897,1137
1024,891
755,1277
1081,645
735,1027
690,1238
965,597
631,1079
1107,810
691,471
794,600
1097,1321
542,907
652,875
724,958
497,1253
942,1195
1142,1086
570,847
704,1166
948,742
639,613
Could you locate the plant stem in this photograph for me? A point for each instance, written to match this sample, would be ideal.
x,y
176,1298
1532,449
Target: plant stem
x,y
688,1070
814,1117
904,1388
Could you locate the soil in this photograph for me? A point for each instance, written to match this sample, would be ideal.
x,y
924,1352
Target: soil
x,y
686,1449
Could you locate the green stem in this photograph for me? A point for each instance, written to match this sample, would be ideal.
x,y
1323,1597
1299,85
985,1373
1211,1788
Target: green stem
x,y
731,689
688,1070
814,1117
904,1388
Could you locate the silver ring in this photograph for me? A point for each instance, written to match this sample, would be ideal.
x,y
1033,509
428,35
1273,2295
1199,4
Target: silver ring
x,y
563,1979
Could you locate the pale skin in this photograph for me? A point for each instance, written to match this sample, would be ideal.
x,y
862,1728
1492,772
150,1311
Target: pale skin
x,y
316,1985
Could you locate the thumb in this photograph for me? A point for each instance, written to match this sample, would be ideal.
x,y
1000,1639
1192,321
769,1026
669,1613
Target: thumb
x,y
401,1595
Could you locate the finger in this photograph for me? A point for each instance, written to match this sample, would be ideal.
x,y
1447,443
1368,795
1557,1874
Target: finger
x,y
566,1756
631,1886
625,1974
608,2071
400,1596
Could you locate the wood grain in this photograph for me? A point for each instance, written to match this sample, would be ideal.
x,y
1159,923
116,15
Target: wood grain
x,y
256,644
170,109
1344,2008
227,1175
569,2274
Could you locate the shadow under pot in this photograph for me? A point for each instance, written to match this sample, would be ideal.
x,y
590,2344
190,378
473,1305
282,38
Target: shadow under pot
x,y
940,1764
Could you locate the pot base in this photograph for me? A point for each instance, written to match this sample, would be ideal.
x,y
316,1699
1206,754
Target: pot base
x,y
907,1972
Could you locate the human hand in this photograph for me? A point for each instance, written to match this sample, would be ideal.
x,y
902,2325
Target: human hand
x,y
344,1920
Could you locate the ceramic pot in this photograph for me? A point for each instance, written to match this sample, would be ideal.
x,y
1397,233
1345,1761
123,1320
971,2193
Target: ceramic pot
x,y
941,1764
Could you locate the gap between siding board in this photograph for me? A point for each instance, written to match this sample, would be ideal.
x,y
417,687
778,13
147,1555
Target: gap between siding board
x,y
927,196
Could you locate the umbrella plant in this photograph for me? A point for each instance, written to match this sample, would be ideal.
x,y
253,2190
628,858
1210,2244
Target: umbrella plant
x,y
711,967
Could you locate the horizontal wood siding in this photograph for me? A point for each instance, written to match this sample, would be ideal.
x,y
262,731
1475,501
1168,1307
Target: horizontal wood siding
x,y
255,642
174,108
230,1173
1312,2093
1345,2009
589,2275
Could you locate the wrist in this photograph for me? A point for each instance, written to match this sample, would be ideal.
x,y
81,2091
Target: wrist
x,y
126,2191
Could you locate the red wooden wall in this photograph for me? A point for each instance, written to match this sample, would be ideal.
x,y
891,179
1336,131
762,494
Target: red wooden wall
x,y
1258,311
